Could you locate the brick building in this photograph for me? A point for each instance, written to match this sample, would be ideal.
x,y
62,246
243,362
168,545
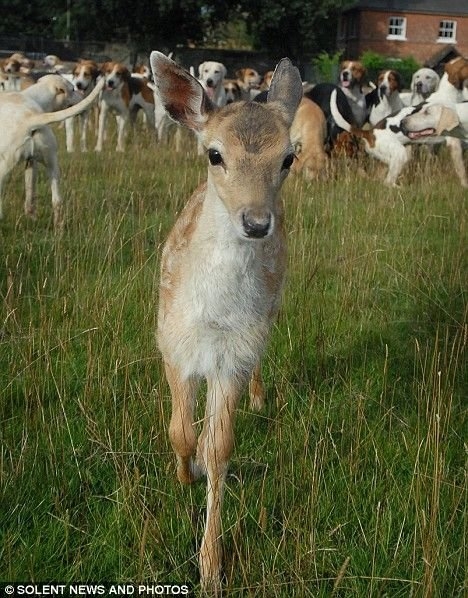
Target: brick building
x,y
423,29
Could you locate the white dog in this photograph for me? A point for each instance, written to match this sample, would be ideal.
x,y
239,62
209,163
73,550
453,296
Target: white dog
x,y
431,120
424,82
211,75
24,117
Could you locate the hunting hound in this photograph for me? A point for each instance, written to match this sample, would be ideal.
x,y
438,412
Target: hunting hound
x,y
352,75
16,71
232,90
248,81
84,79
211,75
222,272
124,95
321,95
436,119
388,141
385,99
308,135
24,117
424,82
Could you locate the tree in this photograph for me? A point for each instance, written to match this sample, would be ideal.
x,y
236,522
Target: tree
x,y
294,28
26,18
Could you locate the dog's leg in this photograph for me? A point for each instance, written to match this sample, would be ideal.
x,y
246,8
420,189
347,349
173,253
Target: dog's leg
x,y
178,139
161,121
69,133
101,126
399,156
1,204
456,152
84,117
149,112
121,130
47,150
30,175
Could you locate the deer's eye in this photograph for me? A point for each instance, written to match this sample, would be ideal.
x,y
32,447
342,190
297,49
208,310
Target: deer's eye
x,y
215,157
288,161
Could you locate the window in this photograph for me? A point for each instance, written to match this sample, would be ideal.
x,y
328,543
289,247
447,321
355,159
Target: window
x,y
396,28
447,31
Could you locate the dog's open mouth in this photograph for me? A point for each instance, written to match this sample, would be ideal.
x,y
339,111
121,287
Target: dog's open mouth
x,y
422,133
345,82
210,92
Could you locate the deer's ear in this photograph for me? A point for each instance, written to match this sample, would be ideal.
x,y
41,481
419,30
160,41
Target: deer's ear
x,y
286,88
181,94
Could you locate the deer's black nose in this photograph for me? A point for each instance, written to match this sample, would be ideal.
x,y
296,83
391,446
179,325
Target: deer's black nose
x,y
256,227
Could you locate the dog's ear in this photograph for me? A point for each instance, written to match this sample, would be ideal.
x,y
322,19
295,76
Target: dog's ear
x,y
181,94
239,73
286,88
448,120
398,80
125,74
94,69
60,90
200,69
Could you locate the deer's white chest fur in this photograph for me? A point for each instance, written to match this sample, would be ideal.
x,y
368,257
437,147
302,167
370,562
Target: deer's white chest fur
x,y
220,310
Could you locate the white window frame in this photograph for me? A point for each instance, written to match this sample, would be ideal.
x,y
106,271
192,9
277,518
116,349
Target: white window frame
x,y
402,26
443,27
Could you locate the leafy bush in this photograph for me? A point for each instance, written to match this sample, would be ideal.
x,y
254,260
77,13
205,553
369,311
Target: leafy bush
x,y
375,63
326,67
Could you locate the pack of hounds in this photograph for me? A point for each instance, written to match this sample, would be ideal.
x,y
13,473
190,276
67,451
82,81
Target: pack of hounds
x,y
353,116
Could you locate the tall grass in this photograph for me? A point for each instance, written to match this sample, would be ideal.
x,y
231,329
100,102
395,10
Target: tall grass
x,y
352,482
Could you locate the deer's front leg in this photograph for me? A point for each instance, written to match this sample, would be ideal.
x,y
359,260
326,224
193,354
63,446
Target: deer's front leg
x,y
216,452
181,429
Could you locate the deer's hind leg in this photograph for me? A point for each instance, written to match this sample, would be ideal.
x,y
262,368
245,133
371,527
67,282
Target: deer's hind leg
x,y
257,389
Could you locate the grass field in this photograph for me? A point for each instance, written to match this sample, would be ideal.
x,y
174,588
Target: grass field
x,y
351,483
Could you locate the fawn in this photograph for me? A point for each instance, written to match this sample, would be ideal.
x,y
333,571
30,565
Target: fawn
x,y
222,272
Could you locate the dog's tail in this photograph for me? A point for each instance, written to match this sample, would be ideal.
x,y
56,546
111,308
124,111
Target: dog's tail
x,y
337,116
35,121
